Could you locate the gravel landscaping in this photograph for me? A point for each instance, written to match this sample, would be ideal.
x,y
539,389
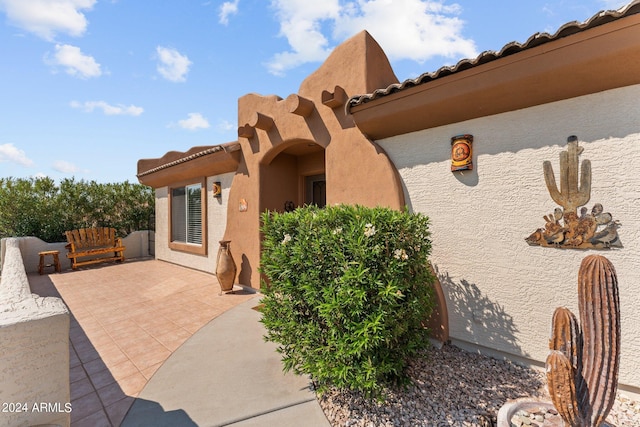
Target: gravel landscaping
x,y
452,387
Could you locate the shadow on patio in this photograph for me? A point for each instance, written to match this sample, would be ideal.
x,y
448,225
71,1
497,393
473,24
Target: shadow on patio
x,y
127,319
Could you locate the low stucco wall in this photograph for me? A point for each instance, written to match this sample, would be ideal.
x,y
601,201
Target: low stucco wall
x,y
501,292
34,356
136,244
216,223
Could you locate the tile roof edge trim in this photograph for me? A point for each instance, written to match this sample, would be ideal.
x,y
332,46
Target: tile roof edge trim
x,y
537,39
228,148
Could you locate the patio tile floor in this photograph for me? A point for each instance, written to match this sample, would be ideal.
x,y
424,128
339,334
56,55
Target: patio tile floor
x,y
126,320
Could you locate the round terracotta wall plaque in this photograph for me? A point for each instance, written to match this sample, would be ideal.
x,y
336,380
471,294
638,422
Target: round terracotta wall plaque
x,y
461,152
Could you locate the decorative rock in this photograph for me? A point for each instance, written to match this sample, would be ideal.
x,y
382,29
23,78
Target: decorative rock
x,y
525,420
429,401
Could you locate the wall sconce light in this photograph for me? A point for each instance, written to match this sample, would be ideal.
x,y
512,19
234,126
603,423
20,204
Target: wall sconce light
x,y
217,189
461,153
243,206
289,206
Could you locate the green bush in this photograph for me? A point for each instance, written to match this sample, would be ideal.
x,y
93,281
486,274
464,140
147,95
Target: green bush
x,y
347,289
38,207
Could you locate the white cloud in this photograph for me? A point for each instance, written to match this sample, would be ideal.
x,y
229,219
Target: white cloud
x,y
173,65
227,9
411,29
10,153
64,166
109,110
300,23
406,29
194,122
75,62
45,18
225,125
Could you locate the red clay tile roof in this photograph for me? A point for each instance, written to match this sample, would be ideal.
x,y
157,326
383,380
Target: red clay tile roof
x,y
154,165
537,39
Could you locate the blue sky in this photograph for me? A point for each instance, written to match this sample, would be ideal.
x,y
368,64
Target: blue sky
x,y
88,87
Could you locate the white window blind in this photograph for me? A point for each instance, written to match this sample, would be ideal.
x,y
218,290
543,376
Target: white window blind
x,y
194,215
186,214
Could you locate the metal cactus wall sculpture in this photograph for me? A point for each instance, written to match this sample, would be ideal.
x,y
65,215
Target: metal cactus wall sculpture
x,y
564,228
582,367
570,195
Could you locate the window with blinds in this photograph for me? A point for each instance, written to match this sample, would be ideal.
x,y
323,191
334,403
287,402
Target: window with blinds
x,y
186,214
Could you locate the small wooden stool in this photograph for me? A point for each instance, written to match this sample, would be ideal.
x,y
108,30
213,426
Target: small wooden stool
x,y
56,261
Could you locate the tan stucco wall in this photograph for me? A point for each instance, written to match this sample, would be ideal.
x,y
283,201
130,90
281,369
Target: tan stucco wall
x,y
270,124
283,170
501,292
216,223
34,366
34,355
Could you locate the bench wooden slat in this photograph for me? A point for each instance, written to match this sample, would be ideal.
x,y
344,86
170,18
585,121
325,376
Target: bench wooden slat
x,y
76,237
97,251
87,235
97,261
109,235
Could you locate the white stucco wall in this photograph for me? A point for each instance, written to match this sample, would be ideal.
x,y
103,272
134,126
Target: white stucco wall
x,y
34,355
501,292
216,224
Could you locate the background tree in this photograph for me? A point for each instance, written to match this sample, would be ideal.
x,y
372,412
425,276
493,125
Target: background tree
x,y
38,207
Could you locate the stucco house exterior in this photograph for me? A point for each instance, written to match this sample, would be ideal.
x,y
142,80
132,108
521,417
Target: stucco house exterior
x,y
354,134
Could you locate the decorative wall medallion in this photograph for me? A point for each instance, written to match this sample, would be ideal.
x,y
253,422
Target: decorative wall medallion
x,y
461,152
217,189
243,205
565,228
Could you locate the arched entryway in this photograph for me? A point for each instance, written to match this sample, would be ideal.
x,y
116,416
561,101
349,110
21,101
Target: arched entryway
x,y
293,175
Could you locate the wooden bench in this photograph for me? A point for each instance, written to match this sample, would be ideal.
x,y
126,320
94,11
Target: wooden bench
x,y
92,243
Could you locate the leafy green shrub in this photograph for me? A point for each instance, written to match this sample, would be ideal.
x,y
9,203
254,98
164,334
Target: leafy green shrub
x,y
347,289
38,207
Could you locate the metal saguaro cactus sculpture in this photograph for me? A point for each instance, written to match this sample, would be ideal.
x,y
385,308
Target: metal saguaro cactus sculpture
x,y
571,195
565,228
582,367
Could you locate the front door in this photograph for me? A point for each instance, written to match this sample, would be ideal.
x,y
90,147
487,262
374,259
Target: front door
x,y
316,190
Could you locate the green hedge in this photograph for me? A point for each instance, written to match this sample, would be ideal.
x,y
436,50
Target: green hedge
x,y
347,289
39,207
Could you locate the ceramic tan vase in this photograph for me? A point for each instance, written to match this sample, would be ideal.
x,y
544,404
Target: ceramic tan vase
x,y
226,267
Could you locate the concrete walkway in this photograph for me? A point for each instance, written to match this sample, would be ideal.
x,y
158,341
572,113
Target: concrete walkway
x,y
142,334
127,320
225,374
